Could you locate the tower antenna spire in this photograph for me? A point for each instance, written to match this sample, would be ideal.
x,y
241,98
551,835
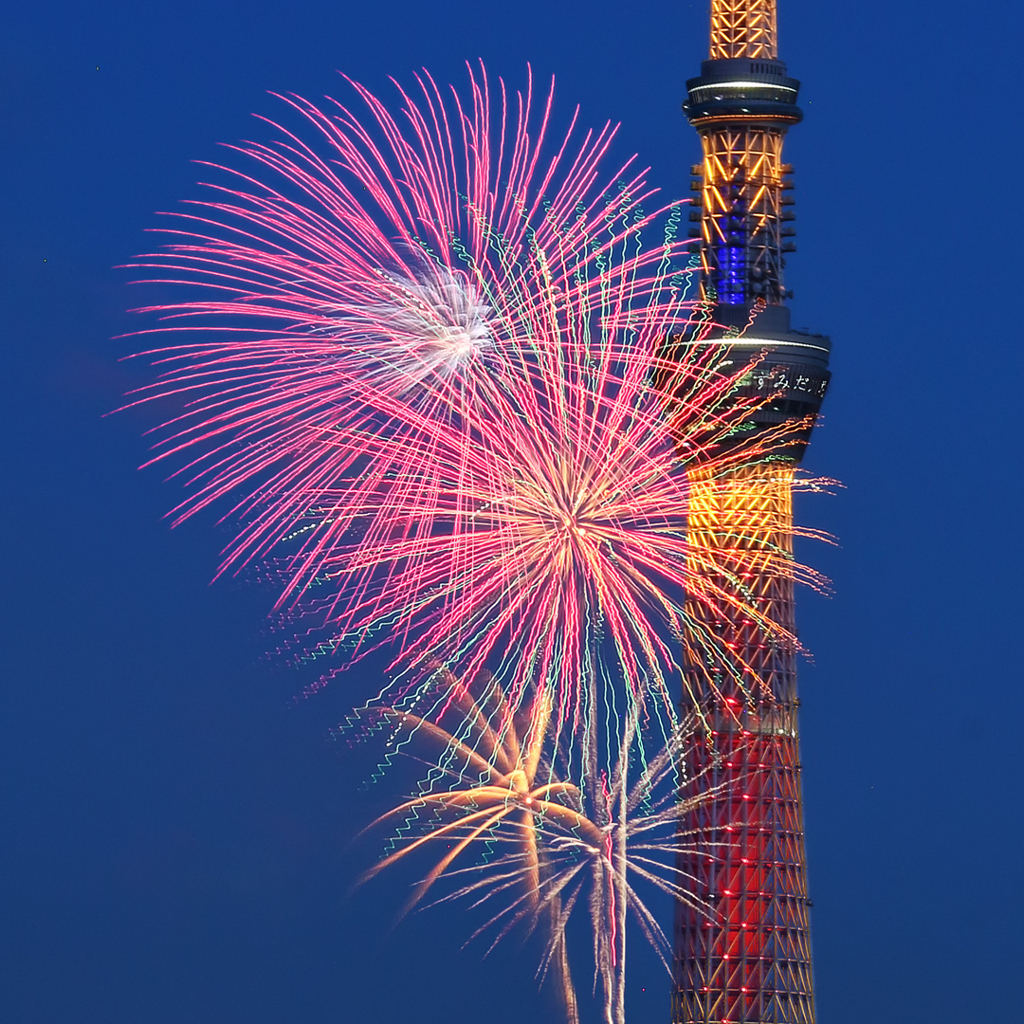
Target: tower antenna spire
x,y
744,28
750,961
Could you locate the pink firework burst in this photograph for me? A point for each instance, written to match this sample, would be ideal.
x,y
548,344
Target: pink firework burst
x,y
426,359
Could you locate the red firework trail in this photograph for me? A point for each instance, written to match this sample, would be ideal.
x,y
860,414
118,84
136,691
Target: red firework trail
x,y
426,356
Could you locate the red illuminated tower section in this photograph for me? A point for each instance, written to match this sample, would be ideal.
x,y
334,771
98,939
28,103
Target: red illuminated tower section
x,y
750,961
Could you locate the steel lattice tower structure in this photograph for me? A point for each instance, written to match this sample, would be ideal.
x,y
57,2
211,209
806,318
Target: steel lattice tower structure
x,y
751,961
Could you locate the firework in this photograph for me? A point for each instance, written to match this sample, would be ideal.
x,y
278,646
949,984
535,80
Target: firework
x,y
492,761
374,282
497,782
426,369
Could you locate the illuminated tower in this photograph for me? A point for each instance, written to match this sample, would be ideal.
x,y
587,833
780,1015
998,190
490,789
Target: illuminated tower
x,y
751,961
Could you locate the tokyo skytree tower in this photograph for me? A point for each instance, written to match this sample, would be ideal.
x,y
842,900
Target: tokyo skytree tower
x,y
751,960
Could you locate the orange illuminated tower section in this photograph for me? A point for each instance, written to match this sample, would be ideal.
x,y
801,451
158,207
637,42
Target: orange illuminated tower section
x,y
750,960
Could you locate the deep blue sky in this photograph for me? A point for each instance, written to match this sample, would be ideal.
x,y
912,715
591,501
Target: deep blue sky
x,y
173,835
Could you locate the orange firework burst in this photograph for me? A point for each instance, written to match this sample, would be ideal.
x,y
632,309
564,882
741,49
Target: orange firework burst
x,y
496,785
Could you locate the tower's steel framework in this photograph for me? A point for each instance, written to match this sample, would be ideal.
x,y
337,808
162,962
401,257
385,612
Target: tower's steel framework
x,y
751,960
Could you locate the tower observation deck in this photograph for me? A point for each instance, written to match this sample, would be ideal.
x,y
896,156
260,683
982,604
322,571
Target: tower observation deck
x,y
750,961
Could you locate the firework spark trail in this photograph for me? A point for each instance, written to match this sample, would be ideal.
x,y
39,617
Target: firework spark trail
x,y
506,788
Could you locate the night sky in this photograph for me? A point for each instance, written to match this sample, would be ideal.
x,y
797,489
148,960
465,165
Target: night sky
x,y
176,828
